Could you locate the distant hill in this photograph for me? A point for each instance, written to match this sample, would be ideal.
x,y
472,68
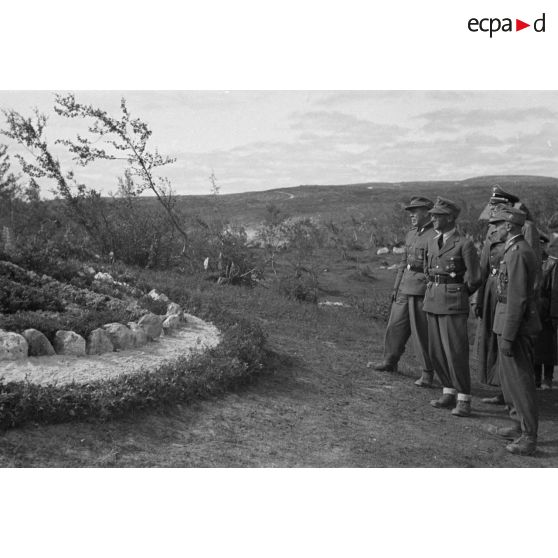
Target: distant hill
x,y
341,201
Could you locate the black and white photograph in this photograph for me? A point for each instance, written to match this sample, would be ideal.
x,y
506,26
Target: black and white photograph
x,y
278,279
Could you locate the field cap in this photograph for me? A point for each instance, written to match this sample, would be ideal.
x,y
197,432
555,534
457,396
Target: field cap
x,y
553,222
499,196
510,215
419,201
444,206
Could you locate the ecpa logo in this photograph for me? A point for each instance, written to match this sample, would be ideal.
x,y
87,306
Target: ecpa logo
x,y
493,25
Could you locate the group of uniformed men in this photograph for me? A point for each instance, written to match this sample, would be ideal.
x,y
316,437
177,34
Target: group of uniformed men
x,y
441,278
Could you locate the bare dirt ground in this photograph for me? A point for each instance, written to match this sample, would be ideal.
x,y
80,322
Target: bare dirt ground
x,y
316,405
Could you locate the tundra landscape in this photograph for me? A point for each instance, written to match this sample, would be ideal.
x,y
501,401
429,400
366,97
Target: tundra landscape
x,y
271,304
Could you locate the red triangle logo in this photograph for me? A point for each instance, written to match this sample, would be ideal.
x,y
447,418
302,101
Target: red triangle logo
x,y
519,25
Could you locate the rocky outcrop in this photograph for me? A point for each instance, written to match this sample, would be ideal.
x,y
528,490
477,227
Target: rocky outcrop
x,y
12,346
98,342
120,336
152,325
140,337
69,343
38,343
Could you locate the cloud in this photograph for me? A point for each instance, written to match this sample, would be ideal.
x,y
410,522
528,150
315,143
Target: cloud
x,y
450,120
351,98
344,127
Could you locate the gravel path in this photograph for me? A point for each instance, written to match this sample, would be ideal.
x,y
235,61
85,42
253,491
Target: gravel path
x,y
196,336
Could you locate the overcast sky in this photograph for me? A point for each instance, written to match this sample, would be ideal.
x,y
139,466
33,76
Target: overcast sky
x,y
257,140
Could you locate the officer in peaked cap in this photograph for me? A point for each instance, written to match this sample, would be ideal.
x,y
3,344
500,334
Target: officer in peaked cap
x,y
499,196
500,199
516,321
452,269
484,300
406,315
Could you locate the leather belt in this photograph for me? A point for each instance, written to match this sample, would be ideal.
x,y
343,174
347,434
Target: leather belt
x,y
502,298
417,268
444,279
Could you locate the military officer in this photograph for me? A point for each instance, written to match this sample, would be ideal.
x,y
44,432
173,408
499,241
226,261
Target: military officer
x,y
484,300
406,316
545,348
516,321
452,269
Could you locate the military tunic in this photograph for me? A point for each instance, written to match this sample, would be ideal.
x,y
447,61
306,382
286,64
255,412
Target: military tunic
x,y
407,316
486,341
516,320
453,274
545,350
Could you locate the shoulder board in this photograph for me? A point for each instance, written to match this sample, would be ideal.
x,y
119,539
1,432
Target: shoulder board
x,y
516,247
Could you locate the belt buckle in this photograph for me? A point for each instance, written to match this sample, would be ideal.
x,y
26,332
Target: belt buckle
x,y
437,279
409,267
494,271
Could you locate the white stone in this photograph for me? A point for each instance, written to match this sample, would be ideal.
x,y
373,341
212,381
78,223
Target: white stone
x,y
155,295
171,322
173,308
152,325
140,337
107,277
398,250
382,251
69,343
38,343
120,336
13,346
99,342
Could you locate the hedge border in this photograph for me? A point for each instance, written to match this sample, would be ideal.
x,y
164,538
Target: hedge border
x,y
238,357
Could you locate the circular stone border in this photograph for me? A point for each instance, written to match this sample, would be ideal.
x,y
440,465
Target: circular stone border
x,y
194,337
238,358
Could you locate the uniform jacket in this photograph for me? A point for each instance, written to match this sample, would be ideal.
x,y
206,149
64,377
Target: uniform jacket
x,y
457,262
516,311
548,299
531,235
410,279
491,255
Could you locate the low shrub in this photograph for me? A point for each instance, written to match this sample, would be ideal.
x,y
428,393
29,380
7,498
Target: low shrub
x,y
153,306
303,288
15,297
